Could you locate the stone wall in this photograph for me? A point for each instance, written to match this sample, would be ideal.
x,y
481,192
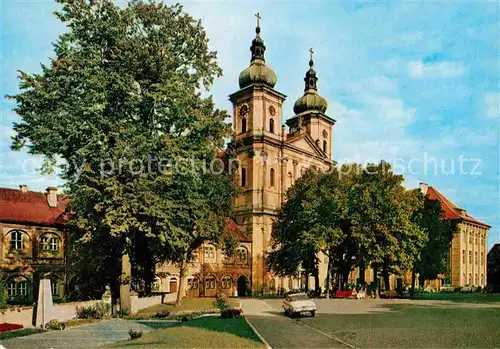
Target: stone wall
x,y
24,315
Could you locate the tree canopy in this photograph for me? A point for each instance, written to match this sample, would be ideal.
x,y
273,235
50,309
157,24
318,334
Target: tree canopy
x,y
359,216
122,105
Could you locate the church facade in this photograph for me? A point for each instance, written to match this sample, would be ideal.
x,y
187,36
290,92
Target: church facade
x,y
270,157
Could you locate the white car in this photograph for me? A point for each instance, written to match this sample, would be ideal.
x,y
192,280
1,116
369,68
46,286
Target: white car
x,y
298,303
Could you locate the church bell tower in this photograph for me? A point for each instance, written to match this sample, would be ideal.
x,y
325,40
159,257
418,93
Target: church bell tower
x,y
258,135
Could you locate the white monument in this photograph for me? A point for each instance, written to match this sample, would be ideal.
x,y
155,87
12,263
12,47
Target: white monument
x,y
45,308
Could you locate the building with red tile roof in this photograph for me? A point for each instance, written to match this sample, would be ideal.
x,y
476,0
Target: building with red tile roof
x,y
468,254
33,241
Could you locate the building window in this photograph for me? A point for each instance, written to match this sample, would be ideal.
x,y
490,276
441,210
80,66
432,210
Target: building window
x,y
482,279
476,280
195,257
324,146
227,282
242,255
290,179
475,240
482,258
210,283
463,257
50,243
470,257
243,125
271,125
16,240
464,279
470,239
470,279
243,177
17,287
475,258
209,253
226,258
272,177
54,285
192,284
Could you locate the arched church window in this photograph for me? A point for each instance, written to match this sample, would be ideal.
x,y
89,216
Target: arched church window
x,y
272,179
289,179
324,146
242,255
243,177
243,125
271,125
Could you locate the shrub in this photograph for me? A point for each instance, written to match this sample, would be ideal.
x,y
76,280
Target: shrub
x,y
231,313
221,302
184,318
96,311
102,309
134,334
55,325
161,314
122,312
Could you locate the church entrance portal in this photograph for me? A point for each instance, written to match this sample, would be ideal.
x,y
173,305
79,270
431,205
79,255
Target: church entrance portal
x,y
242,286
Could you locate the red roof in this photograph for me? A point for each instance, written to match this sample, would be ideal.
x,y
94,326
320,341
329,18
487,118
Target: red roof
x,y
30,207
238,231
452,211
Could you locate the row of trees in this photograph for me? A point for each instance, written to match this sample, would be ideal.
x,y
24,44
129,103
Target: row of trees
x,y
360,216
122,106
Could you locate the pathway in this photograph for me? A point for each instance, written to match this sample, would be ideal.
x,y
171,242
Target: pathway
x,y
80,337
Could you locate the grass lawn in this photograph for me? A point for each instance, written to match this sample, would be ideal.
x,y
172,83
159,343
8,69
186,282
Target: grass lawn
x,y
204,332
460,297
415,326
19,333
187,305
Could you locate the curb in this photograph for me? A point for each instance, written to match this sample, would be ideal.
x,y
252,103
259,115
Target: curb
x,y
258,334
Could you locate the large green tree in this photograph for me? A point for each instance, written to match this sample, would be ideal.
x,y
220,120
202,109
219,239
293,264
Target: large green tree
x,y
433,258
122,105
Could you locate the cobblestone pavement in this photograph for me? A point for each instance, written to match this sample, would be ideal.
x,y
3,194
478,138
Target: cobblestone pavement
x,y
85,336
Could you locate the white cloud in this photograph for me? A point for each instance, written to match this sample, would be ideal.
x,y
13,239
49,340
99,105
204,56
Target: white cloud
x,y
435,70
492,104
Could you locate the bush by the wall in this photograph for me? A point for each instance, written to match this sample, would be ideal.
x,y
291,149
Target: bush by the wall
x,y
96,311
134,334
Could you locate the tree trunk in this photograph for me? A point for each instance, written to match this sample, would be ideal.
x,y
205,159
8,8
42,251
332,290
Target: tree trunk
x,y
345,277
328,272
412,292
307,281
182,274
421,280
387,285
317,286
362,276
375,282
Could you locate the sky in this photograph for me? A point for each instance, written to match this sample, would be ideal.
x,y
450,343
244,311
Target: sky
x,y
416,84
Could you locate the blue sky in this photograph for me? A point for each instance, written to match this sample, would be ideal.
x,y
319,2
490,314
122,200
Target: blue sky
x,y
412,83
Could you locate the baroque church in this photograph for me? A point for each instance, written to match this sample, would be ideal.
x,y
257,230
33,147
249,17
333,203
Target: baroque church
x,y
271,158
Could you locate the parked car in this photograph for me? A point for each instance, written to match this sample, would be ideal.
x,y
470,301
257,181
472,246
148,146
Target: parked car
x,y
298,303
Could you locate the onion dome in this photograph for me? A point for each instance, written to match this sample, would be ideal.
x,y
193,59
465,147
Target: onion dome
x,y
311,100
258,71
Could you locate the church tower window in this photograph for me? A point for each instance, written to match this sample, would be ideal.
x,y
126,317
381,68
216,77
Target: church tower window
x,y
324,146
243,177
272,178
271,125
243,125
